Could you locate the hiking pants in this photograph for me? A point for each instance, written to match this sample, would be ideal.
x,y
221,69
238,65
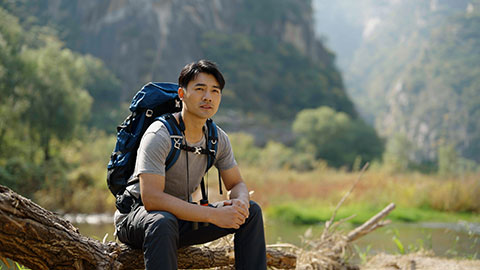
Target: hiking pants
x,y
159,234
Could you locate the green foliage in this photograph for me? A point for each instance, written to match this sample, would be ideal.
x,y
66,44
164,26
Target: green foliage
x,y
335,137
272,156
244,148
107,109
398,244
275,155
84,188
58,104
362,254
267,12
45,106
270,77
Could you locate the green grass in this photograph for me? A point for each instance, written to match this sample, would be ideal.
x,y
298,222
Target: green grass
x,y
298,212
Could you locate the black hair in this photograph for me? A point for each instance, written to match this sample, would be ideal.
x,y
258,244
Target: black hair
x,y
191,71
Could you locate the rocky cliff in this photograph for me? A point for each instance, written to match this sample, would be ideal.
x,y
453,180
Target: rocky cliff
x,y
416,75
152,39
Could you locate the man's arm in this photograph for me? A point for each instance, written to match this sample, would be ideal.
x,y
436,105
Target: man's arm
x,y
239,195
153,198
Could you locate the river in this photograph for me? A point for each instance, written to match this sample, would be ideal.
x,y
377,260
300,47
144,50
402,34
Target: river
x,y
444,239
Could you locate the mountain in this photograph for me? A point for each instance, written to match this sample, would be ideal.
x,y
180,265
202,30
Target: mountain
x,y
273,63
413,70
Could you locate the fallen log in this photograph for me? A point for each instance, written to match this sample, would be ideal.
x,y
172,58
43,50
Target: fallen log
x,y
39,239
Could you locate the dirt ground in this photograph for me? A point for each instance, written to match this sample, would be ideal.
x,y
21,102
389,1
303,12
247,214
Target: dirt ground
x,y
418,261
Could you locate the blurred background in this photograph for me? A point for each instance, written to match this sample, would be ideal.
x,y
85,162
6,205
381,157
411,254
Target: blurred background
x,y
315,89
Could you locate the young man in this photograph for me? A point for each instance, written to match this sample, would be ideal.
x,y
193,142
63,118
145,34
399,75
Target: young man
x,y
164,222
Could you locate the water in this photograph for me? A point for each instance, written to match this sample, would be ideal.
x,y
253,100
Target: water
x,y
444,239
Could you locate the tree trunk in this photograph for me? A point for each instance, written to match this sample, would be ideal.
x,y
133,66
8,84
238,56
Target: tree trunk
x,y
39,239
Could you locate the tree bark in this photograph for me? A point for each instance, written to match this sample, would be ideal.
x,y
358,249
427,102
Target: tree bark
x,y
39,239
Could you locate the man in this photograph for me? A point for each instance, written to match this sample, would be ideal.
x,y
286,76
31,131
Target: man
x,y
164,222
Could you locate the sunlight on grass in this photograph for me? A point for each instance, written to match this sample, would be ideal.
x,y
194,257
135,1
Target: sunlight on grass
x,y
310,197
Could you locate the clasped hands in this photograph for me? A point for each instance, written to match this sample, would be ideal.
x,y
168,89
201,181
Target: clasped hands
x,y
232,213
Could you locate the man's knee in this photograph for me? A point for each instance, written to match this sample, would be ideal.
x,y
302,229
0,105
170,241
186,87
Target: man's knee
x,y
161,223
255,209
161,240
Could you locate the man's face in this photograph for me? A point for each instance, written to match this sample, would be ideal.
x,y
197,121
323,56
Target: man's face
x,y
202,96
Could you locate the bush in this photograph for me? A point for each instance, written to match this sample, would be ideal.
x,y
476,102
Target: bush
x,y
335,137
244,148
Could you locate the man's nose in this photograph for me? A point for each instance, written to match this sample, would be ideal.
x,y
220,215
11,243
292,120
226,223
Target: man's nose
x,y
207,96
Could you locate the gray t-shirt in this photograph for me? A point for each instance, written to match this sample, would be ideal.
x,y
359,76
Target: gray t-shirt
x,y
153,151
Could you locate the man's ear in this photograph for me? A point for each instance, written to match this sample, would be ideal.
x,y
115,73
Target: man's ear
x,y
180,92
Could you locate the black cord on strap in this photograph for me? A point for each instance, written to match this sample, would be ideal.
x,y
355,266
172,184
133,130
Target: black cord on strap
x,y
220,182
188,176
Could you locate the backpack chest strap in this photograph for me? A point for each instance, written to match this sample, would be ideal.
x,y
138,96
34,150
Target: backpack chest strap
x,y
175,130
197,150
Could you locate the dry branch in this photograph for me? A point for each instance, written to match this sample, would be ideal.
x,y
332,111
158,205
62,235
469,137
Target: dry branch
x,y
329,223
39,239
371,224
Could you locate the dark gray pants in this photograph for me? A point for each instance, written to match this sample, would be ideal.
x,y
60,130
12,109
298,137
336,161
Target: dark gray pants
x,y
160,234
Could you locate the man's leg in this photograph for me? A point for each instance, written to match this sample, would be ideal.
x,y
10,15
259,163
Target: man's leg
x,y
250,250
156,232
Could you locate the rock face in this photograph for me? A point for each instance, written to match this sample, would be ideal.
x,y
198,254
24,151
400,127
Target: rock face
x,y
415,74
147,40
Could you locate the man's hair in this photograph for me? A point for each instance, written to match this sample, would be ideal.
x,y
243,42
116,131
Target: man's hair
x,y
191,71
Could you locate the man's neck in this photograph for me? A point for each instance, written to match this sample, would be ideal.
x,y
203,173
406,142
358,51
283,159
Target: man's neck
x,y
193,127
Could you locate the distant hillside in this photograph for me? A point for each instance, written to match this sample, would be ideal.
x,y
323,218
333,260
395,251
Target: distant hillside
x,y
417,75
273,63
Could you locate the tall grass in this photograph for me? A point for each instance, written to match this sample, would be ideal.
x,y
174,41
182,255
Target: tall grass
x,y
306,197
276,184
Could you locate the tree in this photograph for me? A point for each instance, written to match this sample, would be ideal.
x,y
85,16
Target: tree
x,y
11,39
44,103
104,88
58,103
335,137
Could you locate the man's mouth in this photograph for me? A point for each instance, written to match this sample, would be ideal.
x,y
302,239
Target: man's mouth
x,y
206,107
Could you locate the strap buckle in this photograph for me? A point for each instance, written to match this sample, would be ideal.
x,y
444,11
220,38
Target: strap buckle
x,y
149,113
198,150
177,143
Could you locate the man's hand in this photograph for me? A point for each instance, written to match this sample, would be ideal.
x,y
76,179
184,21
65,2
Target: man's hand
x,y
234,211
242,205
232,214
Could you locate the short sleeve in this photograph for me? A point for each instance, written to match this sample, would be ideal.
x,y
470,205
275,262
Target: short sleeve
x,y
153,150
225,159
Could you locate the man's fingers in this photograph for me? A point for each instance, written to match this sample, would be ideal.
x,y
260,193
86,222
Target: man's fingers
x,y
243,213
242,207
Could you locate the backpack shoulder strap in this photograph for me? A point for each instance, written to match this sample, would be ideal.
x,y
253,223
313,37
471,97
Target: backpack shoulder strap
x,y
212,142
175,135
212,146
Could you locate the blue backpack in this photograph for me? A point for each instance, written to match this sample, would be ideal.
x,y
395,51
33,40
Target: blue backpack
x,y
154,102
